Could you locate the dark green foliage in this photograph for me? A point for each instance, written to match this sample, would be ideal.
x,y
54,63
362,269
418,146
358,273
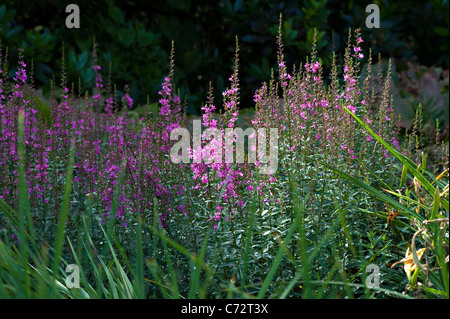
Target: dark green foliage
x,y
134,37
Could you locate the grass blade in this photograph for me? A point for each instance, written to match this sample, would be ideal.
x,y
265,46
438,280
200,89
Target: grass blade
x,y
195,276
281,253
378,194
405,161
59,241
248,240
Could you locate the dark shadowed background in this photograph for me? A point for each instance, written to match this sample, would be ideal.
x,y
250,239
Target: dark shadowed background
x,y
134,38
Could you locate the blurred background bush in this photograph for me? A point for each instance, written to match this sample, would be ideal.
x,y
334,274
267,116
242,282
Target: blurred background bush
x,y
134,37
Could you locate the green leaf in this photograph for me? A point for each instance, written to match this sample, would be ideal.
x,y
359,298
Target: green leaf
x,y
435,291
2,11
195,275
116,14
43,108
385,198
404,173
24,206
237,5
126,36
144,38
64,213
281,252
180,5
340,283
406,161
7,14
424,162
441,31
436,204
248,239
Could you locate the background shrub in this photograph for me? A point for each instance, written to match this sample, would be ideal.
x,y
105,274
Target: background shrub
x,y
134,37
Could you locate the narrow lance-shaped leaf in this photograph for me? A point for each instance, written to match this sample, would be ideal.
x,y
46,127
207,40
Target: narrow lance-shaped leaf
x,y
385,198
406,161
